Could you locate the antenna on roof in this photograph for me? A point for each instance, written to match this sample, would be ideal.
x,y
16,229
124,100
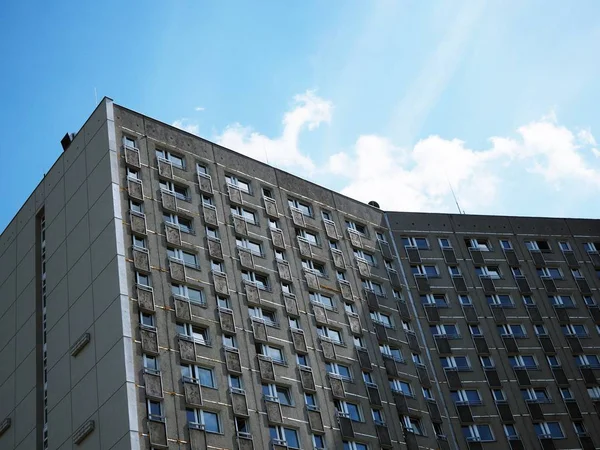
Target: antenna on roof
x,y
266,154
455,198
95,96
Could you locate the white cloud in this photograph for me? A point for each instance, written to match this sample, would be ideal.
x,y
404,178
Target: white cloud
x,y
186,125
309,111
199,108
420,178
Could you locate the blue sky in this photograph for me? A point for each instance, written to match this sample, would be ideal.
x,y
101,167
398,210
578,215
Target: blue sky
x,y
497,99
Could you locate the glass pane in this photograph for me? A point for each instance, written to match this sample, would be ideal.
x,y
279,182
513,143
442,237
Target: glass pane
x,y
206,377
211,422
291,437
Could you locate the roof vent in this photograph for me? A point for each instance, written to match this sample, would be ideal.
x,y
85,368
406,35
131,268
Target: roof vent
x,y
374,203
66,141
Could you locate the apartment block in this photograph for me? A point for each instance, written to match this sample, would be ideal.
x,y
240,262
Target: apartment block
x,y
159,291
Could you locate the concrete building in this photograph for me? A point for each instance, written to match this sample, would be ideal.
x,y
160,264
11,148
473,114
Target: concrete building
x,y
160,291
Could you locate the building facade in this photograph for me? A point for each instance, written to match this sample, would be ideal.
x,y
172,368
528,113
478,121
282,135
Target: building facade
x,y
160,291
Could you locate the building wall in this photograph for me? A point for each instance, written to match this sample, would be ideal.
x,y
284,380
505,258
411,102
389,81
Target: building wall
x,y
83,296
150,135
457,228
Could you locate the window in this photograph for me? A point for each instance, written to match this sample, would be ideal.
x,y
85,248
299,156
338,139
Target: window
x,y
204,376
136,207
133,174
486,362
449,330
333,245
154,410
242,185
235,382
193,295
339,370
455,362
184,224
348,409
445,243
274,224
381,236
284,436
209,201
229,341
503,300
492,272
548,430
277,393
419,242
322,300
563,301
217,266
574,330
330,333
465,300
129,142
368,378
566,394
253,247
553,361
369,258
310,399
434,299
475,330
373,286
280,255
350,308
139,242
579,428
513,330
540,330
275,353
550,272
294,322
587,361
535,395
413,424
318,441
397,294
589,300
481,432
543,246
263,314
391,352
212,233
564,246
312,238
377,416
517,273
304,208
527,300
423,269
510,432
176,160
151,363
246,214
381,318
427,393
209,420
505,244
358,227
594,392
466,396
314,267
199,335
189,259
302,360
201,169
181,192
454,271
523,361
142,279
349,445
326,215
404,387
261,281
499,395
577,274
479,243
417,359
287,288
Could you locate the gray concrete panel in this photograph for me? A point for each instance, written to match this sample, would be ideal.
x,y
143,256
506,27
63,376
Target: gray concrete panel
x,y
76,208
108,328
59,423
80,277
101,213
59,381
111,372
8,292
106,287
85,360
25,374
55,233
75,176
78,241
84,398
25,304
7,357
113,418
25,270
25,417
58,340
56,267
7,325
27,443
103,249
8,262
99,179
81,315
58,303
55,201
25,238
7,396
